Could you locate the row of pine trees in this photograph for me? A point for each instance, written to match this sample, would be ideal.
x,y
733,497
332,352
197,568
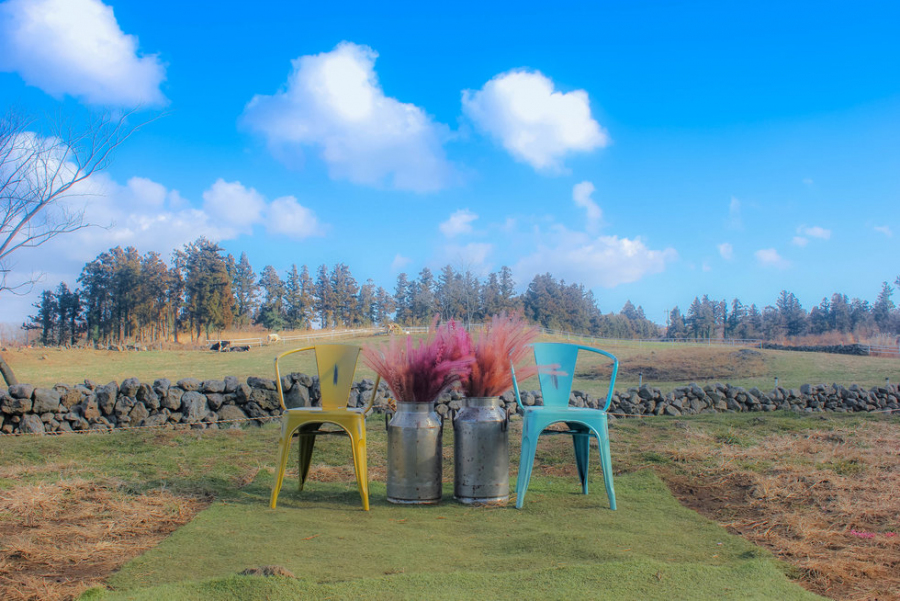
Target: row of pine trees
x,y
123,296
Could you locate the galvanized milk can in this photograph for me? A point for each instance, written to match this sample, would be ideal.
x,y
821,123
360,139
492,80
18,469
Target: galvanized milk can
x,y
481,452
414,454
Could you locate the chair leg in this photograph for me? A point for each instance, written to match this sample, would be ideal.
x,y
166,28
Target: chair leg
x,y
362,470
582,443
606,462
526,463
284,451
307,442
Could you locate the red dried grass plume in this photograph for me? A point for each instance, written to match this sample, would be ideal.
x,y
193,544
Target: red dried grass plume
x,y
506,340
418,374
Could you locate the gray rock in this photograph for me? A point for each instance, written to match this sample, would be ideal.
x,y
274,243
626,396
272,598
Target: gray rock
x,y
106,397
299,396
231,383
189,384
68,396
147,395
129,386
231,412
159,419
138,414
45,400
243,393
21,391
31,424
161,387
14,405
172,400
193,407
266,399
215,400
123,407
263,383
217,386
305,380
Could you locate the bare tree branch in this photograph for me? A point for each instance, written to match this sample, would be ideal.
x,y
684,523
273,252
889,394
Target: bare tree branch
x,y
38,172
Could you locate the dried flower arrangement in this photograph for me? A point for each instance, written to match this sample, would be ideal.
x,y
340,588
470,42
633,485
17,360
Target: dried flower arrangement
x,y
418,374
504,341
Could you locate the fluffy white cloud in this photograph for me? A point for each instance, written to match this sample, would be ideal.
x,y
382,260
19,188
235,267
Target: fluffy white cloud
x,y
459,223
76,47
235,205
535,123
884,229
726,251
581,194
469,257
605,261
288,217
333,101
770,257
800,241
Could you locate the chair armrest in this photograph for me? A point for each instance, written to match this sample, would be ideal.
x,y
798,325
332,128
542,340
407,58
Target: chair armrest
x,y
278,373
374,394
615,371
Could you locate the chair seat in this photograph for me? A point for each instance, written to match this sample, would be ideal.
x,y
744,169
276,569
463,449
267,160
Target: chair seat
x,y
565,414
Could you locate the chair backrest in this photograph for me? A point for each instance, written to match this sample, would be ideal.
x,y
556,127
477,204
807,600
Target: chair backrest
x,y
335,364
556,384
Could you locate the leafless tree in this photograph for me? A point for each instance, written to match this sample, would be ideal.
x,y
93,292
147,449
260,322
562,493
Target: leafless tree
x,y
41,167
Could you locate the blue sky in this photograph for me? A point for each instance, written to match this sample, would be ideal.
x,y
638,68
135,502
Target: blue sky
x,y
654,151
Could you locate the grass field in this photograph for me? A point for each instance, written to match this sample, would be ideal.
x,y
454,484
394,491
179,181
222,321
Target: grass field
x,y
662,365
178,515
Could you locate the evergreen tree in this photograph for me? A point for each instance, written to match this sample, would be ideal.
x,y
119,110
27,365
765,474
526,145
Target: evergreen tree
x,y
271,311
676,329
384,306
245,289
208,295
883,307
293,299
402,300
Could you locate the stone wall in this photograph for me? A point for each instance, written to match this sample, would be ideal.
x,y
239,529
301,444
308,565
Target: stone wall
x,y
230,403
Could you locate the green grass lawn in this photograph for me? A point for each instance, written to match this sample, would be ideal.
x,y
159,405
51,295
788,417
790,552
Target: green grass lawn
x,y
562,545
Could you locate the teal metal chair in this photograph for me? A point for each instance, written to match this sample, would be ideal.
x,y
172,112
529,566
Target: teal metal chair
x,y
556,384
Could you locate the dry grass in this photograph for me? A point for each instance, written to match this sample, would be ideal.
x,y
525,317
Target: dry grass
x,y
61,538
690,365
826,502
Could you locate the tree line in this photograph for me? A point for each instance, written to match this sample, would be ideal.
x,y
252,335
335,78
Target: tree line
x,y
124,296
709,318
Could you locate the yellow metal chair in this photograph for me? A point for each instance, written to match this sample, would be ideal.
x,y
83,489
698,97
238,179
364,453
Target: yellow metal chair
x,y
336,364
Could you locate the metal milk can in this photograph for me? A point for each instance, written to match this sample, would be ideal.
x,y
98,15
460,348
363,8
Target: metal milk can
x,y
415,436
481,452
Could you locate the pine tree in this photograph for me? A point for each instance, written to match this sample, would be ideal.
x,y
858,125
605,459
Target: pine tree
x,y
271,311
245,292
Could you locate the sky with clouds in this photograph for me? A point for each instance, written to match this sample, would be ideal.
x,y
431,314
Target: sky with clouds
x,y
653,151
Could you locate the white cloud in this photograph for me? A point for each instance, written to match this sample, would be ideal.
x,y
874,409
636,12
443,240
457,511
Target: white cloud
x,y
459,223
770,257
726,251
333,101
800,241
76,47
399,262
581,194
884,229
814,232
232,203
535,123
605,261
734,214
288,217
